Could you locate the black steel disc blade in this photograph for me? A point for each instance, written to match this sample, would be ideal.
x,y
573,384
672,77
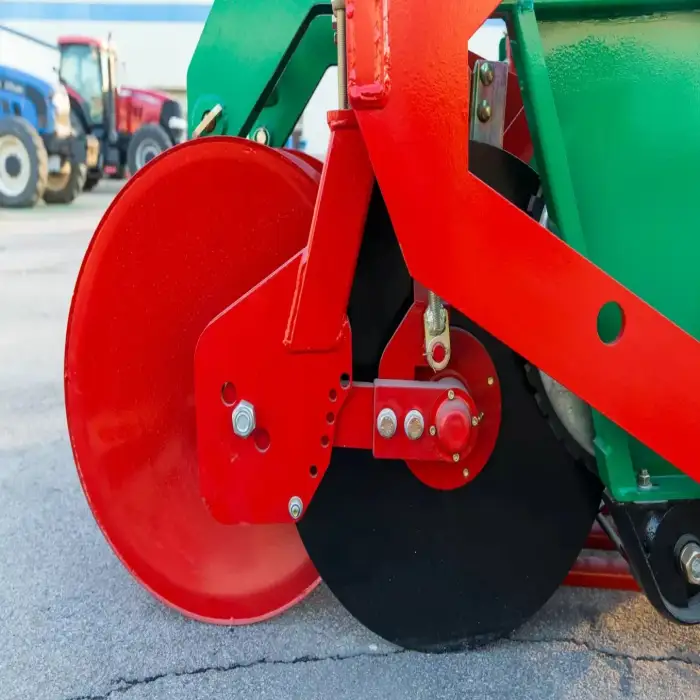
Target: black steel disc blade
x,y
436,570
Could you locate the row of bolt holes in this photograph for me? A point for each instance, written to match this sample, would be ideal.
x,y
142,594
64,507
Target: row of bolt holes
x,y
260,436
330,417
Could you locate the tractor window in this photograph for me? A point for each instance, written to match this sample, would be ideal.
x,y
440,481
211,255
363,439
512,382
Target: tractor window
x,y
81,69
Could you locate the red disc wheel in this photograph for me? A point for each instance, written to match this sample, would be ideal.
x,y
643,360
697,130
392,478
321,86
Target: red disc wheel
x,y
190,233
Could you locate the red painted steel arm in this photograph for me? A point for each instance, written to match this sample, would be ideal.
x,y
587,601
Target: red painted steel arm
x,y
487,258
328,264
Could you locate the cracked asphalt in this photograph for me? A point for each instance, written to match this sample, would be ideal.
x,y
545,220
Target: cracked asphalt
x,y
73,624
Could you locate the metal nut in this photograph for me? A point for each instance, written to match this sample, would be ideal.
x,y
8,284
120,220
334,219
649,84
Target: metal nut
x,y
295,507
243,419
644,480
690,562
386,423
414,425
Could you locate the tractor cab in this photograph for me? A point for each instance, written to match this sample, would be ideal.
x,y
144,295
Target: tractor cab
x,y
88,68
133,125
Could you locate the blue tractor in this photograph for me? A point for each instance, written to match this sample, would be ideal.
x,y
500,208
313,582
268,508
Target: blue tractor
x,y
41,154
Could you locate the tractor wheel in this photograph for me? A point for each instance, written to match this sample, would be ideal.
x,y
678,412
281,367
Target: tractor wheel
x,y
24,167
145,144
419,558
92,179
133,428
65,186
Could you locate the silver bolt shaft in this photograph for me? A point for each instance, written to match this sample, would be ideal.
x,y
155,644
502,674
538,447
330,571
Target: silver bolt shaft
x,y
339,11
436,314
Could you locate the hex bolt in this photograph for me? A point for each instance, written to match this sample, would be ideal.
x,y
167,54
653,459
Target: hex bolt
x,y
295,507
690,562
486,73
387,423
414,425
483,111
644,480
243,419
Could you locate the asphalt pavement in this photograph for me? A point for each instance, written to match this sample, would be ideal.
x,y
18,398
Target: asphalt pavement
x,y
74,625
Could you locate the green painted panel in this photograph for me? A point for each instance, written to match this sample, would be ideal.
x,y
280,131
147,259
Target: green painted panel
x,y
626,104
242,52
313,56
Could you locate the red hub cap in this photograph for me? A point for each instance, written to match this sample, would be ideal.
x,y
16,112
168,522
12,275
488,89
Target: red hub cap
x,y
189,234
453,425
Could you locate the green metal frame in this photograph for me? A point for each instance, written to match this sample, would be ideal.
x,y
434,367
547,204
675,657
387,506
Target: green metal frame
x,y
278,62
612,96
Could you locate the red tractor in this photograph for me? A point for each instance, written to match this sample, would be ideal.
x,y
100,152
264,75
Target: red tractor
x,y
132,125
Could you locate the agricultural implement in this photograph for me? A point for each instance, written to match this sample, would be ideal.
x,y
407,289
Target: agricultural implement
x,y
431,370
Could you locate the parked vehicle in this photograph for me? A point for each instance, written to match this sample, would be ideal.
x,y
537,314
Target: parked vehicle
x,y
132,125
41,156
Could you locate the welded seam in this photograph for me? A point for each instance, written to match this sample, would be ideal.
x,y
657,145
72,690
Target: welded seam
x,y
122,685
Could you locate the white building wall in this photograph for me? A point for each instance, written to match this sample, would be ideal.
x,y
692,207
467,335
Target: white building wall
x,y
154,39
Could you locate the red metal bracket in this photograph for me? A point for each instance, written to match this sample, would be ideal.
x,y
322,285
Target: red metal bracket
x,y
292,367
295,398
499,267
323,289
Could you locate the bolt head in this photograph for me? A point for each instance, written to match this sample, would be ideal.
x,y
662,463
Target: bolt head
x,y
295,507
433,430
261,136
486,73
484,111
455,457
644,480
490,381
690,562
414,425
450,395
243,419
465,473
387,423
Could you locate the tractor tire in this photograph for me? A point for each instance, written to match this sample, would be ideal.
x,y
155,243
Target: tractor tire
x,y
145,144
24,163
63,188
92,180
